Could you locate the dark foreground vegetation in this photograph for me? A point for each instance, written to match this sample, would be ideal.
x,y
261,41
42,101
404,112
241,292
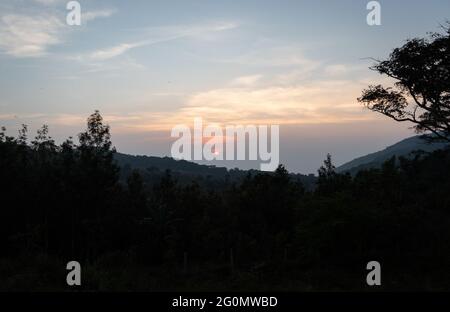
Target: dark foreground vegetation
x,y
265,232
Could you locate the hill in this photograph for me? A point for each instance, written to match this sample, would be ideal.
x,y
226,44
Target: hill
x,y
403,148
152,168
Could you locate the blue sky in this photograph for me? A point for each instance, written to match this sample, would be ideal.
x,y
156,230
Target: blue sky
x,y
149,65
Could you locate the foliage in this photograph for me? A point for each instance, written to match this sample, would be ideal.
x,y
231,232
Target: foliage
x,y
262,232
421,93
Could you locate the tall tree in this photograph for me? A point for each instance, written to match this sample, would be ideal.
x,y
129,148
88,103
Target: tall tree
x,y
421,92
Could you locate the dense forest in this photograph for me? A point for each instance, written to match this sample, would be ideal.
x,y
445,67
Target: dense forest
x,y
208,177
263,231
66,202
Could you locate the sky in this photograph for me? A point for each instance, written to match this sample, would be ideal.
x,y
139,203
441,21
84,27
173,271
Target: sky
x,y
151,65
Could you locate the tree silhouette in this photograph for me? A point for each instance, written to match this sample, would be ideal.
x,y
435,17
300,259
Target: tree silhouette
x,y
327,176
421,92
97,134
154,230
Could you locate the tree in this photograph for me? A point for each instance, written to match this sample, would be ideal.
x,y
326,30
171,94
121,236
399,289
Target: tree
x,y
327,176
328,170
421,92
96,151
97,134
329,180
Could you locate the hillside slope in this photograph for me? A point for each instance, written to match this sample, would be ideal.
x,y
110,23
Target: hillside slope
x,y
152,168
402,148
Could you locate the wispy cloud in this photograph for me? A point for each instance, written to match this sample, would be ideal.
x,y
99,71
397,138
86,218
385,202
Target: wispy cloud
x,y
155,35
298,104
104,54
29,36
31,32
274,56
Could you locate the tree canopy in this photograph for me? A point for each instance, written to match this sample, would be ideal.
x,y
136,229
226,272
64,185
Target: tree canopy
x,y
420,94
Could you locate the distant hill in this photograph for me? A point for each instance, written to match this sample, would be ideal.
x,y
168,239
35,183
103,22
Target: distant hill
x,y
152,168
402,148
167,163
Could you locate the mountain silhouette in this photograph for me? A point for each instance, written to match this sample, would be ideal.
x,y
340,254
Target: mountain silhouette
x,y
152,168
404,148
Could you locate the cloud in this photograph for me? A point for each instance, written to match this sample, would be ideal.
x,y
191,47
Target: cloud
x,y
182,31
278,56
251,100
104,54
246,80
33,33
320,102
329,101
29,36
156,35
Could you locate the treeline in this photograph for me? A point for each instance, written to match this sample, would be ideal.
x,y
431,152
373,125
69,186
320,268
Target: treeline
x,y
266,232
209,177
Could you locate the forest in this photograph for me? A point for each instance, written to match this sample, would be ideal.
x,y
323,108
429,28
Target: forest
x,y
264,231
